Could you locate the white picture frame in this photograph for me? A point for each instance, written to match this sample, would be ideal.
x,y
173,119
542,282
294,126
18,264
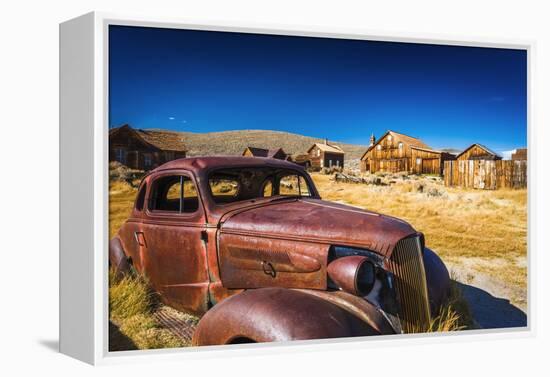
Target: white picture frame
x,y
84,180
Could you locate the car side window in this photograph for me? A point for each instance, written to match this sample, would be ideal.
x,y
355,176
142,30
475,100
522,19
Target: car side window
x,y
267,188
293,184
174,193
140,201
224,189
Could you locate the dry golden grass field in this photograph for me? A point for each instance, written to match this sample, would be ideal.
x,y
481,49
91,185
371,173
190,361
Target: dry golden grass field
x,y
481,236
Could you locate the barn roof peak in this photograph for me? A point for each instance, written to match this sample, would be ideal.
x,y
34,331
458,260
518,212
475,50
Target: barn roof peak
x,y
491,152
264,152
326,147
412,141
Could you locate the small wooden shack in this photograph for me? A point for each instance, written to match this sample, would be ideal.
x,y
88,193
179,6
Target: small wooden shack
x,y
520,154
396,152
278,153
477,152
325,155
144,149
302,160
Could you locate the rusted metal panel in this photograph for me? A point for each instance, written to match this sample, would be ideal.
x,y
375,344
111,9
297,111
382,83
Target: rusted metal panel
x,y
256,262
317,221
278,314
117,259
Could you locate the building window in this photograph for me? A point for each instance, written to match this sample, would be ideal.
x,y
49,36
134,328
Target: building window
x,y
169,156
418,161
389,137
329,163
120,155
318,153
400,145
147,160
337,163
379,147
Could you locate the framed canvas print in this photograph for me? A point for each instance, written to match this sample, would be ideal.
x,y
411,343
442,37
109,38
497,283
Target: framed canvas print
x,y
239,188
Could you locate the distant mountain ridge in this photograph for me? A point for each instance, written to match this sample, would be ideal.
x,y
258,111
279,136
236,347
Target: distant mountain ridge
x,y
235,142
451,150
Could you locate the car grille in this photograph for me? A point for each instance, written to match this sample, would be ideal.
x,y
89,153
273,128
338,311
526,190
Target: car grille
x,y
410,282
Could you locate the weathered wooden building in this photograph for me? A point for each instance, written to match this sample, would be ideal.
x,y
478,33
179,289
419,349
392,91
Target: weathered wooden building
x,y
144,149
278,153
395,152
477,152
301,159
325,155
520,154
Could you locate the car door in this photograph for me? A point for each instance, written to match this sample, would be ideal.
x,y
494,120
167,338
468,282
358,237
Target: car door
x,y
174,253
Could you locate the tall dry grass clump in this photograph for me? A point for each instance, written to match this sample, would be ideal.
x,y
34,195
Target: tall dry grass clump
x,y
131,306
455,314
128,296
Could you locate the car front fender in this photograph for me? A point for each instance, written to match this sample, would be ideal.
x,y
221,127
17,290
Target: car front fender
x,y
275,315
437,279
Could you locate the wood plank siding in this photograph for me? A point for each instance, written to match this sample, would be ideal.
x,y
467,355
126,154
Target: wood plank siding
x,y
486,174
520,154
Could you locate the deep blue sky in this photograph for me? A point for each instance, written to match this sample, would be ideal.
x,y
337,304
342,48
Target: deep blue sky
x,y
204,81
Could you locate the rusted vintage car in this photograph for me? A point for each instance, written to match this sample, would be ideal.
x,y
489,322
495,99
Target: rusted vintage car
x,y
248,244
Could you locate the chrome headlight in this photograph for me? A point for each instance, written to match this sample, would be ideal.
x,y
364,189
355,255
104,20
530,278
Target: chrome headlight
x,y
361,272
354,274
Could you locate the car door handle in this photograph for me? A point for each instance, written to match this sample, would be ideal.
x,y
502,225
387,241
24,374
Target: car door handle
x,y
140,238
268,269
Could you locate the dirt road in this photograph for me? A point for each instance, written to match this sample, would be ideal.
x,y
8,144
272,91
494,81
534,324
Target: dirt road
x,y
494,304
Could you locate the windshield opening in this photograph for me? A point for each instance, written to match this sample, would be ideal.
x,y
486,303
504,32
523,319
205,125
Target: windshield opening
x,y
238,184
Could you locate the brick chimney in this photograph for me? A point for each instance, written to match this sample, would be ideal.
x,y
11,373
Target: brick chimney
x,y
372,140
326,141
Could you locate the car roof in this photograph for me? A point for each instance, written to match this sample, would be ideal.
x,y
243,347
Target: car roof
x,y
196,164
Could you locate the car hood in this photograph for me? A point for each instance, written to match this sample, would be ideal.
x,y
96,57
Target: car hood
x,y
318,221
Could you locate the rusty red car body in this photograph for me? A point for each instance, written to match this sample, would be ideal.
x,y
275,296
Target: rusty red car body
x,y
276,267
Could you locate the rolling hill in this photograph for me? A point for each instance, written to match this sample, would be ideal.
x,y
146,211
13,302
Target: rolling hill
x,y
235,142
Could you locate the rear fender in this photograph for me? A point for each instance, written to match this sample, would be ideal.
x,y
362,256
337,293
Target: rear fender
x,y
276,315
117,258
